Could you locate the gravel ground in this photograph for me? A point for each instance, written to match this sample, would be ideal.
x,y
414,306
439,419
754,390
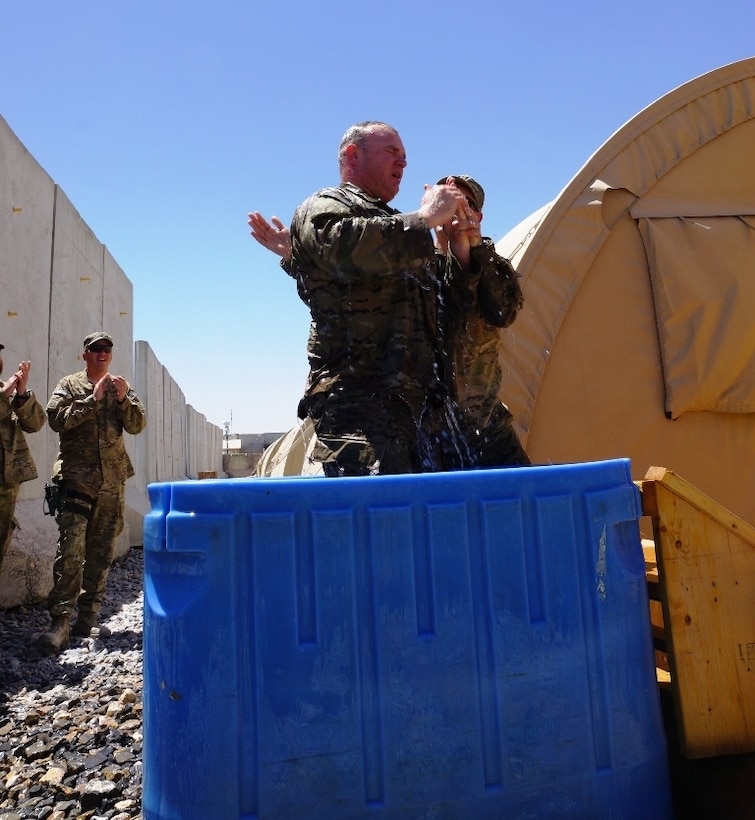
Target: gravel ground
x,y
71,724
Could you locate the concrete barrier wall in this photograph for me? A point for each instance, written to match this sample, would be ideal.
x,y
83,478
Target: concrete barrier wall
x,y
178,442
58,283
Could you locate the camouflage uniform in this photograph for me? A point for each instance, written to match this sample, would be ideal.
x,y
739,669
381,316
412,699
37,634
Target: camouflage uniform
x,y
373,282
484,435
91,469
17,416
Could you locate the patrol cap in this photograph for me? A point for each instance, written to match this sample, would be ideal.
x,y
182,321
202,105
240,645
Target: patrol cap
x,y
472,186
98,336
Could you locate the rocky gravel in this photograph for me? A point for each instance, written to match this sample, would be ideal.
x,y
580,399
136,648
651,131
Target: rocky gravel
x,y
71,724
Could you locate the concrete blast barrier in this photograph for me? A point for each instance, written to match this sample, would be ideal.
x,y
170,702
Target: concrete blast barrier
x,y
458,645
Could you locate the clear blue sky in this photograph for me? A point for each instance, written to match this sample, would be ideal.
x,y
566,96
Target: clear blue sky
x,y
166,122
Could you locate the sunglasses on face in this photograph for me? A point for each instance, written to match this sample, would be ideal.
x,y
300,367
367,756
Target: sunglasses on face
x,y
99,349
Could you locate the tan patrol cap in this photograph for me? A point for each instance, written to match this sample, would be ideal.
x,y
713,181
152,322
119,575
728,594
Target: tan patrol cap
x,y
471,185
97,336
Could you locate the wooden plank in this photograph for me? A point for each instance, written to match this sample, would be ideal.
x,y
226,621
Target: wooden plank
x,y
651,569
657,625
706,569
693,498
654,594
662,676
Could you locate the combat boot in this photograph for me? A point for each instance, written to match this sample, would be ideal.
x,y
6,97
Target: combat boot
x,y
87,626
57,638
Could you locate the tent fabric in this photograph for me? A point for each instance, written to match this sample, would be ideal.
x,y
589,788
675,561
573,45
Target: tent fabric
x,y
290,454
702,271
569,235
602,362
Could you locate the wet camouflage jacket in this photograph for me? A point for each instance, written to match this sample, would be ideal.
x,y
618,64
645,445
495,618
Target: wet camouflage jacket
x,y
92,449
374,283
472,340
16,463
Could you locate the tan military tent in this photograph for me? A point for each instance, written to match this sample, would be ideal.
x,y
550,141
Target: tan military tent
x,y
637,337
290,454
638,333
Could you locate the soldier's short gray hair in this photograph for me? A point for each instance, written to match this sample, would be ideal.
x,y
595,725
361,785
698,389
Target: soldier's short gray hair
x,y
355,135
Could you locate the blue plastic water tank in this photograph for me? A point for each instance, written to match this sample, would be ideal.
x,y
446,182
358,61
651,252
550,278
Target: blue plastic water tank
x,y
459,645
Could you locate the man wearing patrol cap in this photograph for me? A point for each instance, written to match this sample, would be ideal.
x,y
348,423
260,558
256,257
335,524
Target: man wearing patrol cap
x,y
470,188
471,348
20,413
90,411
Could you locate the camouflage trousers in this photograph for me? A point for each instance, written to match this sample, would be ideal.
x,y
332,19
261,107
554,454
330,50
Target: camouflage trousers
x,y
371,434
88,525
465,444
8,495
498,445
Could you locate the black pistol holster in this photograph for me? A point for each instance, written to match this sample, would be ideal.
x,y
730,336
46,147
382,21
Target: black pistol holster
x,y
53,502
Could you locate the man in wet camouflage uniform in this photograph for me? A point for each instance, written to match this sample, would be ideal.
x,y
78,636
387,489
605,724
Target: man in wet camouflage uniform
x,y
486,436
473,427
373,281
90,410
20,413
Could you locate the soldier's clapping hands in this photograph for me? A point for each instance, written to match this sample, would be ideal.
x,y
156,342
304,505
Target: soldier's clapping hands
x,y
115,384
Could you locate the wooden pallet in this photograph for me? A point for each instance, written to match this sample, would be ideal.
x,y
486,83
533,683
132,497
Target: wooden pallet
x,y
700,570
662,671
